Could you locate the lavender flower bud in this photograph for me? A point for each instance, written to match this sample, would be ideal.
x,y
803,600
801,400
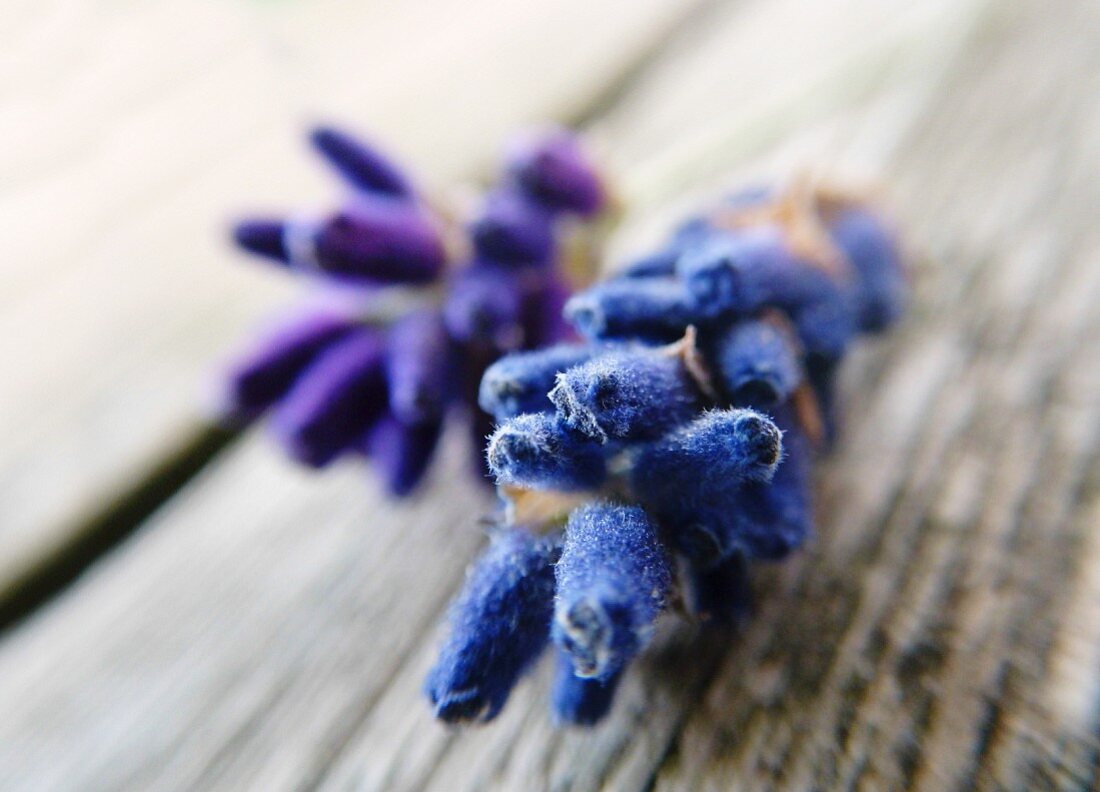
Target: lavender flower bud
x,y
265,373
771,519
379,240
333,402
729,273
579,701
627,395
757,364
360,163
520,382
402,452
720,593
483,305
418,366
554,170
651,309
661,264
693,478
498,626
262,237
538,451
612,581
511,230
872,248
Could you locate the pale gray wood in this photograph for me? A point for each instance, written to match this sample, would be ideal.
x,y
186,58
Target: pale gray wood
x,y
269,630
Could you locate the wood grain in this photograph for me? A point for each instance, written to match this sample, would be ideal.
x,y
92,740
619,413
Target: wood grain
x,y
269,630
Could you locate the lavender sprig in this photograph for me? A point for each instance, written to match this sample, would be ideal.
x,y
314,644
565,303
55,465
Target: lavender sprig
x,y
664,469
359,377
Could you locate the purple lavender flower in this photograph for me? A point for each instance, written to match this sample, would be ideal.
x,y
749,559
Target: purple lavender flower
x,y
652,309
757,363
366,380
498,626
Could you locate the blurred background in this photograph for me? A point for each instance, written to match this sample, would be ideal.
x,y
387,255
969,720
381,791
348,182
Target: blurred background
x,y
182,608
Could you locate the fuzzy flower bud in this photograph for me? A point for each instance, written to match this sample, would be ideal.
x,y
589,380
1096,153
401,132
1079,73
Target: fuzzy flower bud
x,y
580,701
512,230
652,309
538,450
499,625
626,395
612,581
519,383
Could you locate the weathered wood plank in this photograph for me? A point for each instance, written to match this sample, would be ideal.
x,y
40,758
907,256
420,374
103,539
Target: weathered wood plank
x,y
286,649
137,130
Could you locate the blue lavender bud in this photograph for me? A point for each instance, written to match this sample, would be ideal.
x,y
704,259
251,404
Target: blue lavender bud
x,y
418,366
401,452
511,230
661,264
650,309
720,593
266,372
262,237
729,273
334,401
519,383
378,240
742,273
771,519
538,451
579,701
612,580
484,305
499,625
693,479
871,247
627,395
757,363
360,163
553,169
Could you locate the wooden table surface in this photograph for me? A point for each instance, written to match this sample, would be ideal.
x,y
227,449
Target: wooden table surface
x,y
183,609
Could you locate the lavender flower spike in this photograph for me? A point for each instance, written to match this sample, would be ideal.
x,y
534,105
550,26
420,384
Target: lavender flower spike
x,y
499,625
359,163
537,450
629,395
612,581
